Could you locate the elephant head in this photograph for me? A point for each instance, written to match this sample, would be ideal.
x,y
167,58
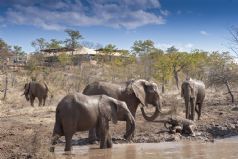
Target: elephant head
x,y
110,108
26,91
171,122
147,93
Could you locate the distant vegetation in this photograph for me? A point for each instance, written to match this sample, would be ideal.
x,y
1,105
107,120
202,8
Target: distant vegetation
x,y
144,60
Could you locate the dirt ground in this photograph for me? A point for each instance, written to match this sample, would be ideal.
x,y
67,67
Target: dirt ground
x,y
25,131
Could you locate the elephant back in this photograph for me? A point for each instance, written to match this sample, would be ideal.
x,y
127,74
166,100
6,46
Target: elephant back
x,y
38,89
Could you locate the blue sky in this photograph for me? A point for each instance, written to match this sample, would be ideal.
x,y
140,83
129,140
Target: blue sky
x,y
186,24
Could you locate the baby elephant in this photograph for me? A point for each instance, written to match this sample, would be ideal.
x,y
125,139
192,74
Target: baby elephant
x,y
180,125
78,112
34,90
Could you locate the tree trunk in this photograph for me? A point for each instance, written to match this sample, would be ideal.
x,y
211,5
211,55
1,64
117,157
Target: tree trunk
x,y
176,77
5,89
163,89
229,91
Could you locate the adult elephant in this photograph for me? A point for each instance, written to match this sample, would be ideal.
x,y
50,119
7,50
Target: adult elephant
x,y
34,90
193,92
79,112
133,92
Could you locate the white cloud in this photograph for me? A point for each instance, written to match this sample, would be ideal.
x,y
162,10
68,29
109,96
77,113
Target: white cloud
x,y
56,15
203,32
164,12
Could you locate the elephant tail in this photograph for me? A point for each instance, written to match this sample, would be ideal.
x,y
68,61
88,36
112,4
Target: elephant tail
x,y
58,129
57,132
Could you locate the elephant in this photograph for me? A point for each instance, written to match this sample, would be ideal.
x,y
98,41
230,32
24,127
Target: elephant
x,y
133,92
35,89
79,112
193,92
180,125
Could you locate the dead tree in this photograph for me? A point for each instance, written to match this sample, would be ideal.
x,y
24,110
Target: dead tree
x,y
229,90
6,87
224,78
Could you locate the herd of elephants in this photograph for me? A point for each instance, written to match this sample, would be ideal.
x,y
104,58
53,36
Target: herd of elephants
x,y
101,102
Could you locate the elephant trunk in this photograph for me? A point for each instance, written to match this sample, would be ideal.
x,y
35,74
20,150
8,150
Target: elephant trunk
x,y
26,96
130,131
187,101
155,114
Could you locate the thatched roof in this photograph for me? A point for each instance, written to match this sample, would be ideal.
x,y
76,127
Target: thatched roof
x,y
63,49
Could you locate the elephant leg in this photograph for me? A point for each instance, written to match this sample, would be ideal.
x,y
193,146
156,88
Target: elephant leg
x,y
44,101
128,125
92,137
199,112
68,139
106,140
197,109
187,111
104,132
192,101
32,98
109,140
54,140
40,101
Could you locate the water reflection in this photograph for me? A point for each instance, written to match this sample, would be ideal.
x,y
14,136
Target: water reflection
x,y
226,149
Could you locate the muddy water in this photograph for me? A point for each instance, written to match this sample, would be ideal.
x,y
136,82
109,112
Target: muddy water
x,y
220,149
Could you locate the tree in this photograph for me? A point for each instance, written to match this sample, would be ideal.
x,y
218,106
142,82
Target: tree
x,y
18,50
178,61
73,40
143,49
4,45
19,53
109,49
39,44
162,67
54,44
222,71
172,49
5,49
234,39
91,45
196,66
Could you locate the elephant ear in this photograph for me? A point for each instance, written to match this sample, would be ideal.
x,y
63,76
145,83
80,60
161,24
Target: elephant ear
x,y
26,88
108,108
139,90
